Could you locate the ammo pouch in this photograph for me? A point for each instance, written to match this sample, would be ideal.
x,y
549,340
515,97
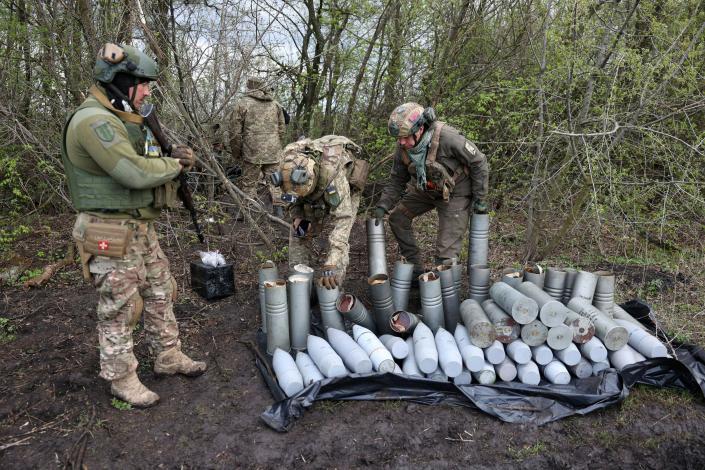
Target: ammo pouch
x,y
357,176
109,240
314,210
165,196
440,177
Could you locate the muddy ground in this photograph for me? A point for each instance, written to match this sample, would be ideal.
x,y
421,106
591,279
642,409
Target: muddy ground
x,y
56,413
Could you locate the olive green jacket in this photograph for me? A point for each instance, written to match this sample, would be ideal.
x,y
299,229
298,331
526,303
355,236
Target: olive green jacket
x,y
454,153
105,163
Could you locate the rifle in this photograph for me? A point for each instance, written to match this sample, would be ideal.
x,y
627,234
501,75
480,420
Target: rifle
x,y
184,193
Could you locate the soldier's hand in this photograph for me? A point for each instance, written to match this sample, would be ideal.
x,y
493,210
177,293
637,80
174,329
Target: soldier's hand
x,y
329,276
300,226
378,214
480,207
184,155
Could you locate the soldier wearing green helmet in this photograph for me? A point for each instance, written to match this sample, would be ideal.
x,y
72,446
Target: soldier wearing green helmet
x,y
118,184
447,172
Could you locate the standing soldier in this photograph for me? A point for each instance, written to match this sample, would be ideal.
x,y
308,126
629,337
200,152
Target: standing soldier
x,y
447,172
322,180
119,186
257,130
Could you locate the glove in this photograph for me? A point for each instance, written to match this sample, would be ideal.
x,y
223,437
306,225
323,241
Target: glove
x,y
300,227
184,155
480,207
329,276
379,213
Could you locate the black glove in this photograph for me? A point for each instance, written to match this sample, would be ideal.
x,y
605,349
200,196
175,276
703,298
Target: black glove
x,y
329,276
480,207
300,227
184,155
379,213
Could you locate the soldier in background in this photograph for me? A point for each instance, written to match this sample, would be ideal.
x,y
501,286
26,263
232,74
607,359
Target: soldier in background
x,y
322,181
257,128
443,170
119,184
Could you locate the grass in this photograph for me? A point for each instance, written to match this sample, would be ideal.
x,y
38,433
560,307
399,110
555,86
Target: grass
x,y
527,451
642,396
331,406
7,330
606,439
392,405
668,397
120,405
29,274
278,255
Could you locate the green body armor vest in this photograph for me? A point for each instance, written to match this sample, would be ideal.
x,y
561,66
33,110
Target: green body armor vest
x,y
90,191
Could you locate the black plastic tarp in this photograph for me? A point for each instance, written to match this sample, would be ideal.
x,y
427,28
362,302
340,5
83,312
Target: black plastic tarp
x,y
512,402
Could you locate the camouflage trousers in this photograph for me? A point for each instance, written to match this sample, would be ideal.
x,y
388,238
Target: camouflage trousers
x,y
453,217
138,282
329,235
255,175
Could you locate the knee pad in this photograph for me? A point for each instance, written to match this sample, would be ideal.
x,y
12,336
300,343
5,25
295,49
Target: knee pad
x,y
137,306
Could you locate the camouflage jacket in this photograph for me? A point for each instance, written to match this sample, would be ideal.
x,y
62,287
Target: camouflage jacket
x,y
257,129
338,208
455,153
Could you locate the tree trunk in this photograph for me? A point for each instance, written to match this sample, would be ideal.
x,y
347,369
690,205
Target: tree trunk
x,y
363,67
389,99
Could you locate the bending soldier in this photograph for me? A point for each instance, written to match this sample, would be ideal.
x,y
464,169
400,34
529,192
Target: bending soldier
x,y
119,186
257,130
447,172
321,180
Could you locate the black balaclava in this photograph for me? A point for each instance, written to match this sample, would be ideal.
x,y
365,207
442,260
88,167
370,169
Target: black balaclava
x,y
122,82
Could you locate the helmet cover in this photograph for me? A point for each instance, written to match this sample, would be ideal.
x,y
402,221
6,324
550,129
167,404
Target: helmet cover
x,y
292,167
406,119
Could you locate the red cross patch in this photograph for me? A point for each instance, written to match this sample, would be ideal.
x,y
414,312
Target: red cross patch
x,y
103,245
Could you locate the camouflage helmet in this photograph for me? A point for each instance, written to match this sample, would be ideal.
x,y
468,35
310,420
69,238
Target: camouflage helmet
x,y
406,119
113,59
299,174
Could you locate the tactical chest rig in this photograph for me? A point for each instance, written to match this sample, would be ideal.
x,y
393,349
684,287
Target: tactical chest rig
x,y
91,189
438,178
332,155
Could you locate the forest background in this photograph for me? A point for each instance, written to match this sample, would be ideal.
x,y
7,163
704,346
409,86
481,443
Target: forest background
x,y
590,112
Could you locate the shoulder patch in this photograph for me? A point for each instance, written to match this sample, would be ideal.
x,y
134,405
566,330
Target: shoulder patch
x,y
105,133
470,148
103,130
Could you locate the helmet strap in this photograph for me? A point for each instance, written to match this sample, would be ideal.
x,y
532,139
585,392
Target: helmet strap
x,y
416,139
116,91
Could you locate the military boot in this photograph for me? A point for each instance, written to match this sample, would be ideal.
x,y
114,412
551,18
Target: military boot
x,y
173,361
131,390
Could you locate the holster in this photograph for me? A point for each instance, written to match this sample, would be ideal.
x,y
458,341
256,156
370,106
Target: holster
x,y
85,259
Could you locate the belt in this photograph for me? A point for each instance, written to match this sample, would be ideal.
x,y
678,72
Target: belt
x,y
139,225
135,213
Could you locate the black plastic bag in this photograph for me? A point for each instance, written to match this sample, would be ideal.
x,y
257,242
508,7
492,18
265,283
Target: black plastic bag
x,y
512,402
